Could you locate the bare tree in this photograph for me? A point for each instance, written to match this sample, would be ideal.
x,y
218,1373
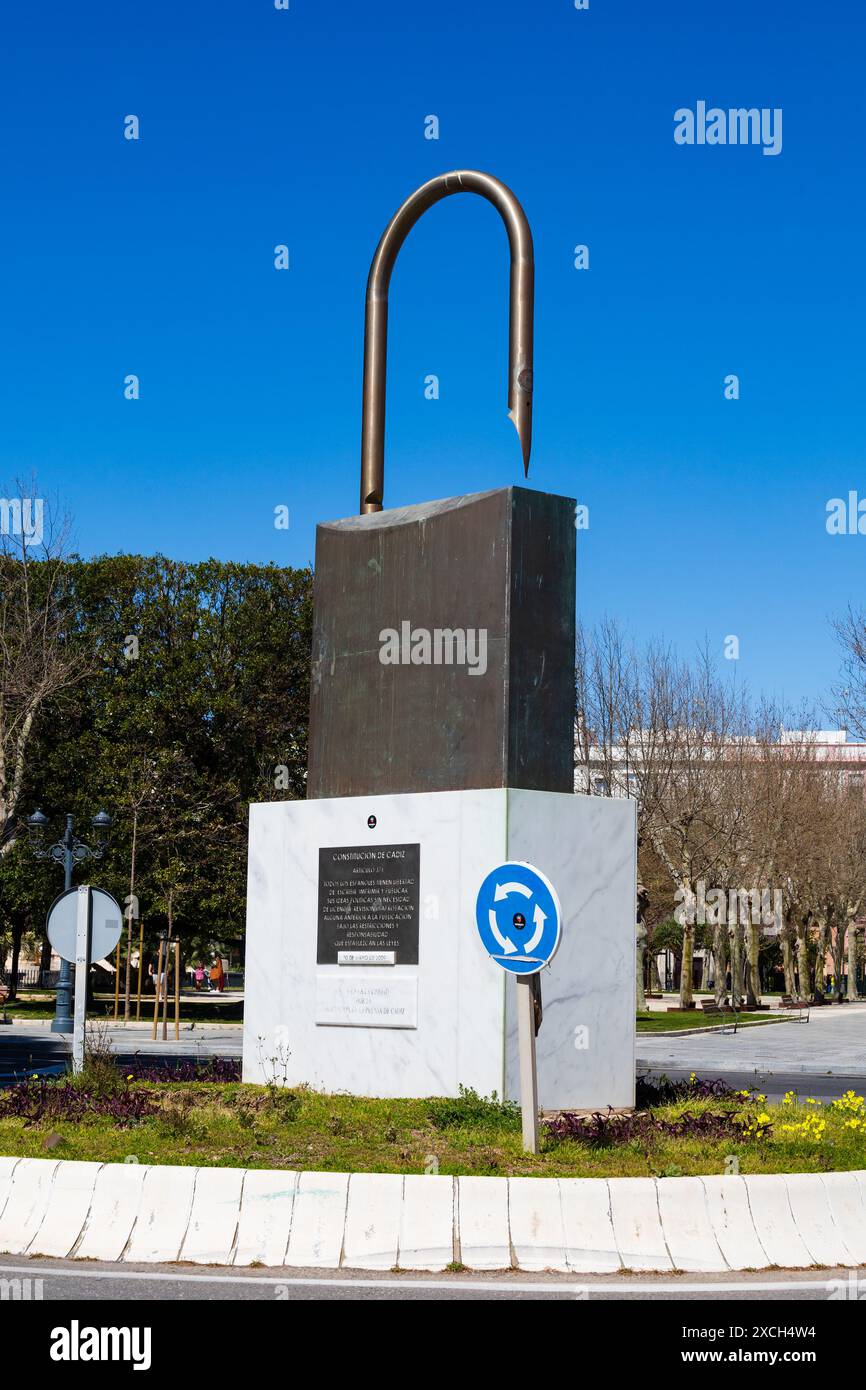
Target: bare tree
x,y
693,752
37,658
728,797
826,875
608,711
671,735
850,693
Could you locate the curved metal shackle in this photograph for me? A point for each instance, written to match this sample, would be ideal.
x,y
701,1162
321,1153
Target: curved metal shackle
x,y
522,291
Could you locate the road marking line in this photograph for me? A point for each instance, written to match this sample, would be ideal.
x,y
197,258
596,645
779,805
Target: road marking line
x,y
510,1285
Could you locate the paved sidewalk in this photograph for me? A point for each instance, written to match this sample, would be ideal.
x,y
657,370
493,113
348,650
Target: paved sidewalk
x,y
832,1042
196,1039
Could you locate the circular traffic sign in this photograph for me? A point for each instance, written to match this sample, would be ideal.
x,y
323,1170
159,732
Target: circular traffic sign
x,y
519,917
106,923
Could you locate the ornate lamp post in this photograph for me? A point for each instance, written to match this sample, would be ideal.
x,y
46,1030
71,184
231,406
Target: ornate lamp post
x,y
67,851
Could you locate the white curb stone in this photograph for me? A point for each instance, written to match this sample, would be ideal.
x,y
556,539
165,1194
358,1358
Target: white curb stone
x,y
774,1221
131,1212
537,1228
590,1241
636,1224
813,1218
318,1220
113,1211
213,1221
68,1206
688,1230
427,1222
482,1220
163,1215
848,1207
731,1220
27,1204
372,1233
7,1168
265,1219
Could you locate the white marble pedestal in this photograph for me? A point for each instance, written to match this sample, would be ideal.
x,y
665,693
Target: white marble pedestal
x,y
418,1030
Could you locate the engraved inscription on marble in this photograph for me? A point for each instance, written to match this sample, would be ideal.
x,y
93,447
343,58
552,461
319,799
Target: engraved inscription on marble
x,y
368,901
383,1002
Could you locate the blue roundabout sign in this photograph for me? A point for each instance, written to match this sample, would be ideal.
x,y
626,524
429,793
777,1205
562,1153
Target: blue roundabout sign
x,y
519,917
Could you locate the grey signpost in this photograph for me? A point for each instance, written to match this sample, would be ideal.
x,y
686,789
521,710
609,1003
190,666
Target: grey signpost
x,y
528,1067
84,908
67,851
84,924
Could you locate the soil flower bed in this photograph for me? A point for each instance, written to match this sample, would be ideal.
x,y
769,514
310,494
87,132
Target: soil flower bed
x,y
692,1127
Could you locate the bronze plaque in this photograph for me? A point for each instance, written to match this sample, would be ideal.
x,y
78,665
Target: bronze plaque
x,y
368,901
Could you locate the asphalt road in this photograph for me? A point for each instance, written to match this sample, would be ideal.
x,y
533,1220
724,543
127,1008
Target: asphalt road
x,y
31,1047
22,1054
821,1058
773,1085
64,1281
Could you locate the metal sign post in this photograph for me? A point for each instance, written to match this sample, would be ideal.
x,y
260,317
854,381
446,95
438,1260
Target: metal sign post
x,y
83,924
519,920
84,918
528,1070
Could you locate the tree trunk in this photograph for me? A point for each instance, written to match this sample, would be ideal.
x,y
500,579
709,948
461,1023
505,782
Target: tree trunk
x,y
44,958
853,956
802,962
838,961
17,930
736,940
820,958
788,962
720,956
640,955
753,981
686,995
655,977
129,915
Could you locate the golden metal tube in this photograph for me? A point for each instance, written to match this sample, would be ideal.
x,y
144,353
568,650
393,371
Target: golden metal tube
x,y
165,990
140,968
156,989
117,982
177,989
522,293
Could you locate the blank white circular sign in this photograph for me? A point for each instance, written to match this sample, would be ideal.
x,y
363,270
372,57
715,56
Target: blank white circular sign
x,y
106,924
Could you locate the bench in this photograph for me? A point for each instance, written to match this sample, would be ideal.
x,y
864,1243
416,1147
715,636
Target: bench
x,y
800,1005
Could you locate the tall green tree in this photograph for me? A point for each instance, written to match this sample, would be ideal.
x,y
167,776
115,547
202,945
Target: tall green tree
x,y
194,703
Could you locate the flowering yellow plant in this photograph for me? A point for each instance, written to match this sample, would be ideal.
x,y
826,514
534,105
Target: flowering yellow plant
x,y
811,1127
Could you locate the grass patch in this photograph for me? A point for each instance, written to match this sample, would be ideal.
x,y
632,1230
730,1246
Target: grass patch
x,y
685,1128
657,1022
230,1010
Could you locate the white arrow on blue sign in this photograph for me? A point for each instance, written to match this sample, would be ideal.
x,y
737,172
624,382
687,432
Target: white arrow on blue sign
x,y
519,917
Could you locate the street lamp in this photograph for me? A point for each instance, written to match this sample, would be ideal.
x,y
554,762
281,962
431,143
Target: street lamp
x,y
68,851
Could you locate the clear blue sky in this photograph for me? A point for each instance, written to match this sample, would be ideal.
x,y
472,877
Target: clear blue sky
x,y
259,126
